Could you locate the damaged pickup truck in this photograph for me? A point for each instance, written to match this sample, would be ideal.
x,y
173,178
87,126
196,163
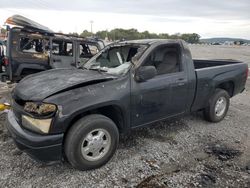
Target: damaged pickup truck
x,y
33,48
78,114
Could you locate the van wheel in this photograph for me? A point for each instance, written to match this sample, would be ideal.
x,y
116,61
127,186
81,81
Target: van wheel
x,y
218,106
91,142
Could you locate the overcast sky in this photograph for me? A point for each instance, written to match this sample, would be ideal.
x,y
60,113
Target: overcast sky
x,y
210,18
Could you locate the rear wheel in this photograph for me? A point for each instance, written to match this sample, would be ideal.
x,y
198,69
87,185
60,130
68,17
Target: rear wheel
x,y
218,106
91,142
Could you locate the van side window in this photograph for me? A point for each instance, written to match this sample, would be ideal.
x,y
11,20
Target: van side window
x,y
166,59
87,50
62,48
30,45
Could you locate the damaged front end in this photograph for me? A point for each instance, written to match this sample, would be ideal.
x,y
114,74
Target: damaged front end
x,y
29,124
34,116
41,109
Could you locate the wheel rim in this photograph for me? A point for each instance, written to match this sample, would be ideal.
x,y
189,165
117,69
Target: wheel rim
x,y
220,106
96,144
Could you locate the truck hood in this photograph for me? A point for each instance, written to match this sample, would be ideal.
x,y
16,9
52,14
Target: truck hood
x,y
42,85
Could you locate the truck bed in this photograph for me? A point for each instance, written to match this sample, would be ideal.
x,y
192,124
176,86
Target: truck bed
x,y
200,63
212,73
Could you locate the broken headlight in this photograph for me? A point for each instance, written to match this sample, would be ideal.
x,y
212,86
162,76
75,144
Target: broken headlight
x,y
40,109
41,116
36,125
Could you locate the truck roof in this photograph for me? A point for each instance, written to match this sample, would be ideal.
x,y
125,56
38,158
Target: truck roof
x,y
152,41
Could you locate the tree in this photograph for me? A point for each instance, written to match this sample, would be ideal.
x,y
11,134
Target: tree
x,y
164,36
3,31
74,34
191,38
86,33
131,34
102,34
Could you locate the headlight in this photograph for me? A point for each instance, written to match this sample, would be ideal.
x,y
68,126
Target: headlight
x,y
42,109
36,125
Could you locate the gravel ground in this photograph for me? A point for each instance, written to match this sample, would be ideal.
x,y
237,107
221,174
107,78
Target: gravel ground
x,y
186,152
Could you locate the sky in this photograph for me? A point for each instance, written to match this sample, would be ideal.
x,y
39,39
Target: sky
x,y
210,18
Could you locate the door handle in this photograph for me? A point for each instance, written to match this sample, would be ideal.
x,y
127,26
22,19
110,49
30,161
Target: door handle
x,y
180,82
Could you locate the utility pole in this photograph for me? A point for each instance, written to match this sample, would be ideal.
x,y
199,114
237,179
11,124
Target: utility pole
x,y
91,25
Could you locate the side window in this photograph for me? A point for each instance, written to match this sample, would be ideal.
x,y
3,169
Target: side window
x,y
166,59
62,48
30,45
87,50
55,47
69,48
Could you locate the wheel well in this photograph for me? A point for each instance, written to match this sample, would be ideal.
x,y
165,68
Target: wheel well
x,y
228,86
113,112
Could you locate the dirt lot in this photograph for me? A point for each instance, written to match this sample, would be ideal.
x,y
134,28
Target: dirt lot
x,y
186,152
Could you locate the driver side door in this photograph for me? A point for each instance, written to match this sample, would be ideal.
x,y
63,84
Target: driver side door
x,y
150,100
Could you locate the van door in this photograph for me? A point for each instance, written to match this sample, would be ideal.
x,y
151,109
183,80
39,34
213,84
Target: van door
x,y
62,54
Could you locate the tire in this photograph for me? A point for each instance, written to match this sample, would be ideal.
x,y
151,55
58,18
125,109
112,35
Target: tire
x,y
85,147
210,112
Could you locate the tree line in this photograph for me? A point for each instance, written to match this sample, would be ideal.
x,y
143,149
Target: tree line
x,y
132,34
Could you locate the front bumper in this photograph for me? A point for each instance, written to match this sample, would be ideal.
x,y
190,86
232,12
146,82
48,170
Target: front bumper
x,y
44,148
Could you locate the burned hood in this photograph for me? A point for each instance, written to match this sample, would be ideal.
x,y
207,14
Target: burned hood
x,y
27,23
42,85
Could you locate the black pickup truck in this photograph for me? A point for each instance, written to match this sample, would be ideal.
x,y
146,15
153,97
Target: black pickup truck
x,y
78,114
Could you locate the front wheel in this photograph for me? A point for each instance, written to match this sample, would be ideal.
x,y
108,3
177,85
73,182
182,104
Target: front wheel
x,y
91,142
218,106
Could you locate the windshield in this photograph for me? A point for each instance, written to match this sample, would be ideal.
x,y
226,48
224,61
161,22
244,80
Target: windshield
x,y
115,59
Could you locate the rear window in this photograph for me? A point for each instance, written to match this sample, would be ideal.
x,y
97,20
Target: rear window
x,y
30,45
62,48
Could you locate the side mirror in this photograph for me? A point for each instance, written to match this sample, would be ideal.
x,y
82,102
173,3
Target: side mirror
x,y
145,73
